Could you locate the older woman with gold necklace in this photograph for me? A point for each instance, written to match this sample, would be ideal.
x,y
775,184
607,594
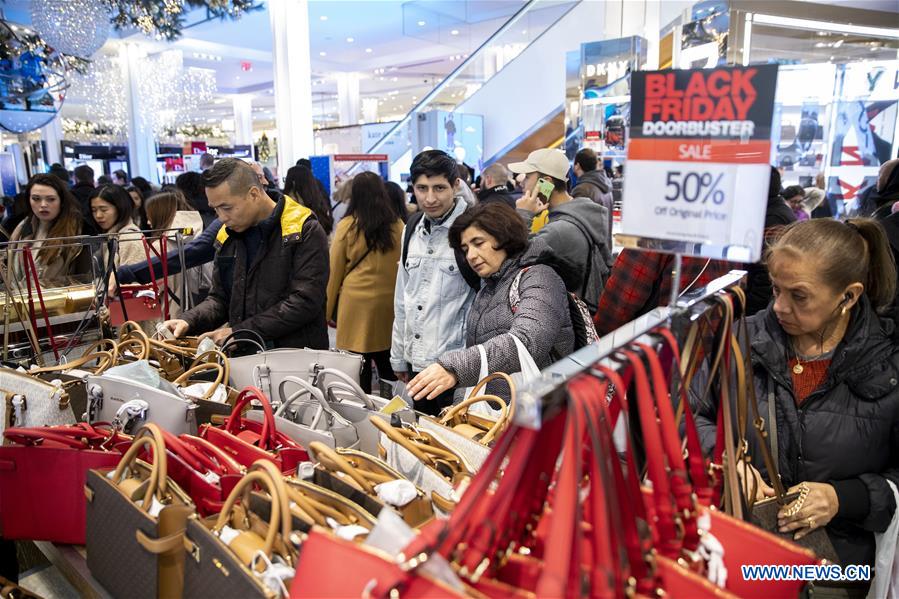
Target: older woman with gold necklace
x,y
827,359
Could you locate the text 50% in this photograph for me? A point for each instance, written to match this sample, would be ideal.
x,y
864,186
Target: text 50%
x,y
692,187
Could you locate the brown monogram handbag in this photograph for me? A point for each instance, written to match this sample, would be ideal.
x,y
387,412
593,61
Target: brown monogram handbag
x,y
135,524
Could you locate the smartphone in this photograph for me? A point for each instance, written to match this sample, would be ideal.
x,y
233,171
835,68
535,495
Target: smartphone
x,y
544,189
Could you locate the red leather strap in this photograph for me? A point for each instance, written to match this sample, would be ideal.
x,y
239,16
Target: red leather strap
x,y
40,296
608,575
560,576
629,498
234,423
176,446
670,545
695,459
214,458
681,487
35,437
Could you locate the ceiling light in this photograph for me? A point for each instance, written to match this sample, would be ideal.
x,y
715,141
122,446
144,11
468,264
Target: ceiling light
x,y
368,50
323,18
454,32
350,40
219,101
237,77
822,26
422,23
524,32
322,53
394,79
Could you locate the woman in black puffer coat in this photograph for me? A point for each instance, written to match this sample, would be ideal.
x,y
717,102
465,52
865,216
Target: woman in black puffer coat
x,y
495,242
830,364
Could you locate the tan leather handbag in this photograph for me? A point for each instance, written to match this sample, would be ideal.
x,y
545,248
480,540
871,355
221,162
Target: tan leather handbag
x,y
136,517
228,553
354,475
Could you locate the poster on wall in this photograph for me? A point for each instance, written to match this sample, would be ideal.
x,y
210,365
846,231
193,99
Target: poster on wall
x,y
703,42
864,133
605,78
698,161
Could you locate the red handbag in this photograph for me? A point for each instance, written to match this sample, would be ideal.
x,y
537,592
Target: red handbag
x,y
206,473
42,479
331,567
247,441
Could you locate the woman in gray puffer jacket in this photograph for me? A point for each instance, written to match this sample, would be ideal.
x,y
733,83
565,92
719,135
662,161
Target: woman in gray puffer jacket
x,y
495,243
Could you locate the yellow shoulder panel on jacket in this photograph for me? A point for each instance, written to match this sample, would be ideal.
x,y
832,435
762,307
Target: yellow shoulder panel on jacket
x,y
293,217
221,236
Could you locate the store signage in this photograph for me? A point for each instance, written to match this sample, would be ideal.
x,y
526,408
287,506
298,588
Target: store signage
x,y
360,157
698,160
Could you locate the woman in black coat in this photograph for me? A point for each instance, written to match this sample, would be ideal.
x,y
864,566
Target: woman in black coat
x,y
829,362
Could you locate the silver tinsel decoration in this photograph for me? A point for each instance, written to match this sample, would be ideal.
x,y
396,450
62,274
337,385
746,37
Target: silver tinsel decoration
x,y
74,27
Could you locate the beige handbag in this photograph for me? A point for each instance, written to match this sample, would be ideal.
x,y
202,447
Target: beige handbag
x,y
356,475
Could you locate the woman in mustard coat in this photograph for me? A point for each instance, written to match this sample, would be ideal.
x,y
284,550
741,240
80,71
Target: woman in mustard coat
x,y
365,253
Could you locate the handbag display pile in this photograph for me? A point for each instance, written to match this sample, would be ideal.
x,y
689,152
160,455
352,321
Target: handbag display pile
x,y
275,475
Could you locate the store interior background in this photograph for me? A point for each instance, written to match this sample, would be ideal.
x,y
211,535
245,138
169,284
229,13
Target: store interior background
x,y
486,80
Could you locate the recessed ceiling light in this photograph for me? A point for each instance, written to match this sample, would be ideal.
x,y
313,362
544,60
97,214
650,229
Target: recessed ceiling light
x,y
394,79
422,23
368,50
237,77
454,32
350,40
524,32
323,18
322,53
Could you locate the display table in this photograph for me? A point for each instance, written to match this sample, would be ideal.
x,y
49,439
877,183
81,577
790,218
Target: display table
x,y
71,560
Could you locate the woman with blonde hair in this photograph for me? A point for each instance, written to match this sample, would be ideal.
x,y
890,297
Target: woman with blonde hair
x,y
826,373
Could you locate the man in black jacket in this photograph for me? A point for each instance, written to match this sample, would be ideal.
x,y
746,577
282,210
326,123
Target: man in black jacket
x,y
592,181
271,266
494,185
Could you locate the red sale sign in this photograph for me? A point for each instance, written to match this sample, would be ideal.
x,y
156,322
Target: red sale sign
x,y
697,170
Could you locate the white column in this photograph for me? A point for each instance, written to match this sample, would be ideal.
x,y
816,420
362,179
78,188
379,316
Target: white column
x,y
370,110
141,145
292,68
348,101
51,135
243,120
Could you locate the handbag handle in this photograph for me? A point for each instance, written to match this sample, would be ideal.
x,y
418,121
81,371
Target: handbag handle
x,y
267,439
131,335
104,360
306,508
353,385
242,488
233,339
220,358
499,425
224,463
401,440
305,389
33,437
681,487
150,436
695,458
495,377
332,460
204,367
670,546
104,344
176,446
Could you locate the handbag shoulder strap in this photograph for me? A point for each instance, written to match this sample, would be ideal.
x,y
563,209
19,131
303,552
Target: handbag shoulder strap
x,y
356,263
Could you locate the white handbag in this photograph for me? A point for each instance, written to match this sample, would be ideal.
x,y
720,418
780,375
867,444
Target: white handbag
x,y
128,405
266,370
311,419
26,400
346,397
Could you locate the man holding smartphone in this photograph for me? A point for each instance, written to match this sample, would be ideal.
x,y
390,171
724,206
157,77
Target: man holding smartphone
x,y
577,229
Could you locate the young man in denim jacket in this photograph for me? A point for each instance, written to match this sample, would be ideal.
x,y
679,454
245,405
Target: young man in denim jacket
x,y
432,297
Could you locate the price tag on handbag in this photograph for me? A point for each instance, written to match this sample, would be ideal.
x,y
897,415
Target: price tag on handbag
x,y
394,405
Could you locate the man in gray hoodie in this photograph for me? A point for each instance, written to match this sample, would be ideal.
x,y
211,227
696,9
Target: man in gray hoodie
x,y
577,230
592,182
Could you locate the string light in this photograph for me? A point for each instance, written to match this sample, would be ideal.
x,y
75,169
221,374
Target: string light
x,y
76,27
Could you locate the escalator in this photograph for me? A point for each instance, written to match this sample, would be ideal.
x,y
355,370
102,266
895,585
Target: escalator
x,y
467,88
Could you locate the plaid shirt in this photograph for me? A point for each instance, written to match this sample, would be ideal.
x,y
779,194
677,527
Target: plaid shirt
x,y
641,281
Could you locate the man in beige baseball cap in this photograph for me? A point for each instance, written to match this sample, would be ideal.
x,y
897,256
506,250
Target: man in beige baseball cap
x,y
577,230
